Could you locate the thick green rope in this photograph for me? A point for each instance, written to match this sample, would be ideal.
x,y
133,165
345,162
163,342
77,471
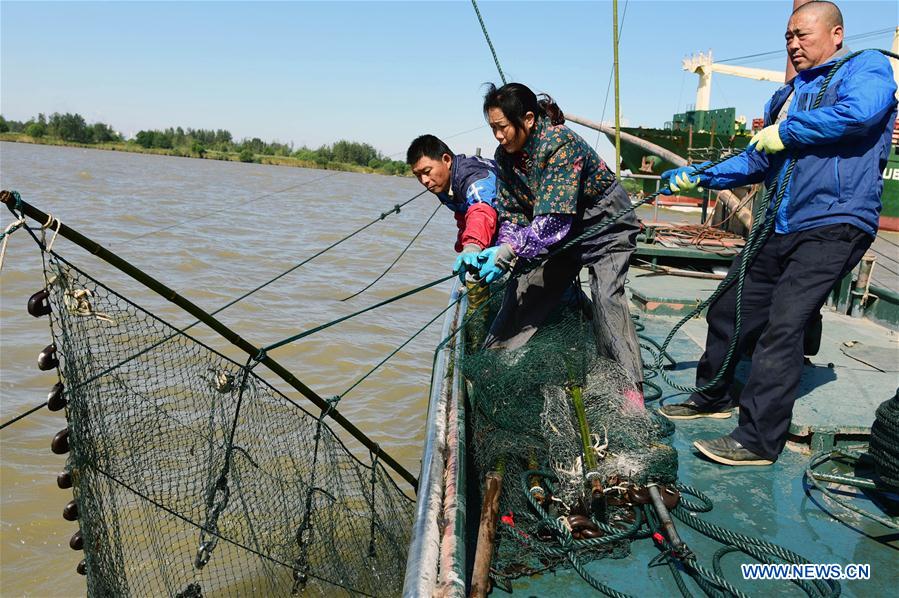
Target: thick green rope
x,y
752,546
489,43
823,457
321,327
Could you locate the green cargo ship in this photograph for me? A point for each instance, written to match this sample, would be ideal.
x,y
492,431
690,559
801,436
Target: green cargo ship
x,y
700,135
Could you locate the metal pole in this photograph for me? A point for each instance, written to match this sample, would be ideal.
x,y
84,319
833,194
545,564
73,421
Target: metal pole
x,y
655,204
862,284
617,99
730,200
705,206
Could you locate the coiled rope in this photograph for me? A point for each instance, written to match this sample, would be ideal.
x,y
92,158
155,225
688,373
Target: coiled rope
x,y
883,449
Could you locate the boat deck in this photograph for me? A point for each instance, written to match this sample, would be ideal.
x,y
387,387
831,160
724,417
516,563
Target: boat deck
x,y
857,358
775,503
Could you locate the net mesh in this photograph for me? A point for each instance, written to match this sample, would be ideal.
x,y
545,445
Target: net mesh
x,y
524,420
182,457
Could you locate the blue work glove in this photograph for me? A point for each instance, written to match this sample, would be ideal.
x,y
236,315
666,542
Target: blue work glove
x,y
767,140
494,261
679,179
467,262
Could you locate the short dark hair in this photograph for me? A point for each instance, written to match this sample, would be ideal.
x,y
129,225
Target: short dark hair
x,y
829,11
426,145
516,99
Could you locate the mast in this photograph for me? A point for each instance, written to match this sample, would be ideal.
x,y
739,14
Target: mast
x,y
617,99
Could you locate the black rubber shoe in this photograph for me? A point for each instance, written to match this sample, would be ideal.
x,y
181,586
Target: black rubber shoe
x,y
728,451
689,410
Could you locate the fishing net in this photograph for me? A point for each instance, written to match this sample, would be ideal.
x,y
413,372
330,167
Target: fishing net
x,y
525,424
193,476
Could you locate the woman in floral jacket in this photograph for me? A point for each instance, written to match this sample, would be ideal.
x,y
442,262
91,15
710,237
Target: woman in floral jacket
x,y
552,186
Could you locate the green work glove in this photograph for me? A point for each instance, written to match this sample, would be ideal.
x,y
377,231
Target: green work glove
x,y
679,179
767,140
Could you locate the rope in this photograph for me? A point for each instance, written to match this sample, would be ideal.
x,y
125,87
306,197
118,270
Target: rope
x,y
321,327
885,240
749,197
825,456
707,580
218,495
754,243
781,52
45,226
7,233
605,102
399,348
568,546
229,206
396,210
393,263
752,546
489,43
23,415
884,446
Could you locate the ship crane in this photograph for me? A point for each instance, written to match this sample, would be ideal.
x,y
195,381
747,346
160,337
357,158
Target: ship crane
x,y
702,65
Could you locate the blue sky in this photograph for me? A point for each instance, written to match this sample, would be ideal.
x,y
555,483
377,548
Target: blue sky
x,y
381,72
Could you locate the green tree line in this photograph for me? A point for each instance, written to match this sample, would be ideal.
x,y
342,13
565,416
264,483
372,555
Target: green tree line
x,y
203,142
68,127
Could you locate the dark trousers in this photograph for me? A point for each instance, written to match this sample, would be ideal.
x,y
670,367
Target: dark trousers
x,y
531,297
785,287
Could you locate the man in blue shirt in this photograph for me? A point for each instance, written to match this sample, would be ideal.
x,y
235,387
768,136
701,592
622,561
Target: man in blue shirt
x,y
826,221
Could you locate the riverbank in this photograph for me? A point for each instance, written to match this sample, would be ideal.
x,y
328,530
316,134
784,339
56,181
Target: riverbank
x,y
132,147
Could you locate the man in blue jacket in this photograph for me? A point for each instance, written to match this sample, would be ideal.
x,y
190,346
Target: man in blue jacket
x,y
826,221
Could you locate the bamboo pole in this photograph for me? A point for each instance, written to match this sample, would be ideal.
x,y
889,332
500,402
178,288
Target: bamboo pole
x,y
170,295
480,575
597,498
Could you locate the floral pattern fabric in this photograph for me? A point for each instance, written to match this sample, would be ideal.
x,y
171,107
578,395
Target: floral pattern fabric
x,y
556,172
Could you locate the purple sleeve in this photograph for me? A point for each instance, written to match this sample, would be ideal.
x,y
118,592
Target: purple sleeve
x,y
528,241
